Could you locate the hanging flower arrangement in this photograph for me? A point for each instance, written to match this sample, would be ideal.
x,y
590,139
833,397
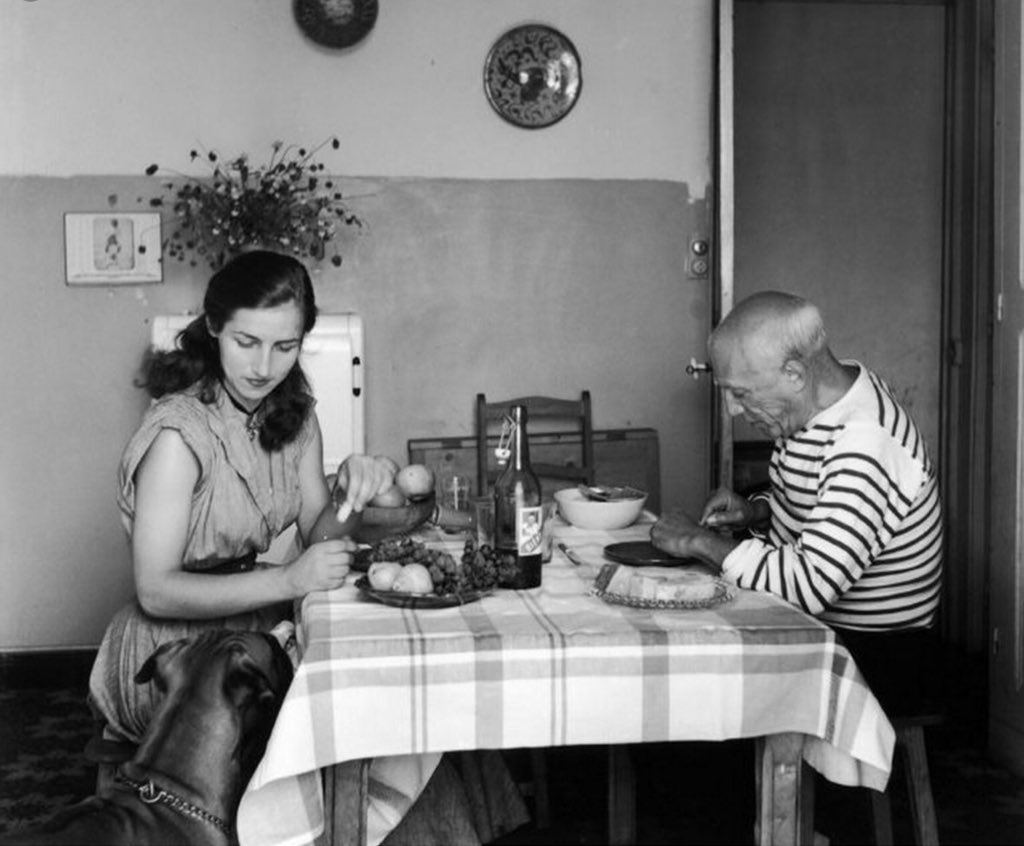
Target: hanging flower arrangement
x,y
288,204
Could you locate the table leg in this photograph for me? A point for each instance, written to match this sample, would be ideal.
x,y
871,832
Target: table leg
x,y
346,793
621,797
783,815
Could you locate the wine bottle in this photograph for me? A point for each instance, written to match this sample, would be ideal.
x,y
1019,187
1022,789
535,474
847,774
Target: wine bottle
x,y
518,514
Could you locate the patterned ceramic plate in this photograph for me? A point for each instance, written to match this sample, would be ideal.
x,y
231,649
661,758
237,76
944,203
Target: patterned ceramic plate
x,y
412,600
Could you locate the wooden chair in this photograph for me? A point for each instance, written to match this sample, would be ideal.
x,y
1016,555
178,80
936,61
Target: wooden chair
x,y
543,411
910,746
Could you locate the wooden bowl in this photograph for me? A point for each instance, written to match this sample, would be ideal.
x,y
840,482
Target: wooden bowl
x,y
379,523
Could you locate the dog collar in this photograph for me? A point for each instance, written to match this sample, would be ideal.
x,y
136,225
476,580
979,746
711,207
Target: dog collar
x,y
151,794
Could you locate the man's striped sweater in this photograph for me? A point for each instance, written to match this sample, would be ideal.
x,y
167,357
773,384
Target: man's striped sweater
x,y
855,536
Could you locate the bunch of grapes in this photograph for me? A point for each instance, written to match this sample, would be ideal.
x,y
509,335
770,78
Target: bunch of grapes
x,y
487,567
479,569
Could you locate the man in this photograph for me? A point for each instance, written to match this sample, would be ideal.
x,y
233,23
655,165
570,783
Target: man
x,y
851,528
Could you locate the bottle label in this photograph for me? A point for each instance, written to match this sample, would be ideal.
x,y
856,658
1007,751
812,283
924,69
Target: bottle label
x,y
529,530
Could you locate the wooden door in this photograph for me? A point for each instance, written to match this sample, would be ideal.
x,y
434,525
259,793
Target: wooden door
x,y
1006,606
839,144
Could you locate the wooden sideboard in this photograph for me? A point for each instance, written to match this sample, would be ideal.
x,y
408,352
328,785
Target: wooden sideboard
x,y
622,456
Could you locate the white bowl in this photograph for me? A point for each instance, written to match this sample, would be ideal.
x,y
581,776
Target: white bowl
x,y
587,513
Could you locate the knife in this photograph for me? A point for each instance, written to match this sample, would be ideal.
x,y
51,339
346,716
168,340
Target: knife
x,y
572,556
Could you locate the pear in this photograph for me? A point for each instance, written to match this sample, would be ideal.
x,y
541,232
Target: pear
x,y
382,574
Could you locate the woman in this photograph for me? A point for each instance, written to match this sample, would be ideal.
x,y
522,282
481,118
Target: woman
x,y
228,455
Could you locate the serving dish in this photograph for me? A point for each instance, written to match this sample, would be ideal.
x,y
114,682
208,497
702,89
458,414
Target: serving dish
x,y
379,523
413,600
586,513
658,587
722,594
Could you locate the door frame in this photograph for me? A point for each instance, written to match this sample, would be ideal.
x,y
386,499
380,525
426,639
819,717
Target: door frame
x,y
967,300
965,396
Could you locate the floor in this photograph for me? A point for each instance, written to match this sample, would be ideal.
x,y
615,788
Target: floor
x,y
700,793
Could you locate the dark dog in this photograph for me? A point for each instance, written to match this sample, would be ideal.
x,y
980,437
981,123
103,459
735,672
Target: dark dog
x,y
221,694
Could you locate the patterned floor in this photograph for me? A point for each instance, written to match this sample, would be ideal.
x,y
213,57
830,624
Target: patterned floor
x,y
687,793
42,737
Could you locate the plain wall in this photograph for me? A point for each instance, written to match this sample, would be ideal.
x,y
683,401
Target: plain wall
x,y
565,246
109,86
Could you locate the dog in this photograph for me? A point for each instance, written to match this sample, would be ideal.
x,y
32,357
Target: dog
x,y
221,692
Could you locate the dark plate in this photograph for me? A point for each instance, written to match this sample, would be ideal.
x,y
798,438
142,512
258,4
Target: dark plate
x,y
409,600
640,553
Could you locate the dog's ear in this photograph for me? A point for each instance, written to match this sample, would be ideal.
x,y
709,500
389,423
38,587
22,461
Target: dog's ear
x,y
285,656
150,670
248,681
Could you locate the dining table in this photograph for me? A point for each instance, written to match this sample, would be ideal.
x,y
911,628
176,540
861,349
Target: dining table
x,y
558,666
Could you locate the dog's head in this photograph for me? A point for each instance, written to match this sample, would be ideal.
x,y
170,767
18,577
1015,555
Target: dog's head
x,y
222,674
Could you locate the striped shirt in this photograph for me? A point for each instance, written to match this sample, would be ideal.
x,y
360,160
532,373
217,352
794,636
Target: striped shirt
x,y
855,536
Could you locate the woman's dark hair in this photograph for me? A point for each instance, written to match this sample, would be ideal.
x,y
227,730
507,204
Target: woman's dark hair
x,y
255,279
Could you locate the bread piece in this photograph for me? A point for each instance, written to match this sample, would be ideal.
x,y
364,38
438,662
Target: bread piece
x,y
613,578
688,586
622,581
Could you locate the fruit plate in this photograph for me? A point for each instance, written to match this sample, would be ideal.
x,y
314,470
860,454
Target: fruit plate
x,y
418,600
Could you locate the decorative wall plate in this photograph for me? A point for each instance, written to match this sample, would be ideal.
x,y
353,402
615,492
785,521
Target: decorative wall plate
x,y
532,76
335,23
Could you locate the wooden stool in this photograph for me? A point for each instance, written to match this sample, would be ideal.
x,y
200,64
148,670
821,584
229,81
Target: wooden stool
x,y
910,745
538,788
533,783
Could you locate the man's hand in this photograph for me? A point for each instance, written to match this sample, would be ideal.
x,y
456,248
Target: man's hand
x,y
726,509
676,534
680,535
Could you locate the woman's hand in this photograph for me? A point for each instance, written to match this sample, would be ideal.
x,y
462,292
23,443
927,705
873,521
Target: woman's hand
x,y
321,567
362,477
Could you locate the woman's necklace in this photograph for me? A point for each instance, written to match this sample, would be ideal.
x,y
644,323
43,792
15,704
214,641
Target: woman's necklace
x,y
253,419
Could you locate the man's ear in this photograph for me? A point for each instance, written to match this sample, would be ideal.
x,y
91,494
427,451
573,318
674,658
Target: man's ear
x,y
795,372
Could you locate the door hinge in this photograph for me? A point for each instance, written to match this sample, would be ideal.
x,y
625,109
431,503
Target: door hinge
x,y
995,640
999,307
956,352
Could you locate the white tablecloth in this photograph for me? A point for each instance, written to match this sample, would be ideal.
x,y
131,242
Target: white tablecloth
x,y
549,667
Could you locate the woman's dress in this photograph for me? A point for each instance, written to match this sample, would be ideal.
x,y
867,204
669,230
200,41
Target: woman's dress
x,y
244,497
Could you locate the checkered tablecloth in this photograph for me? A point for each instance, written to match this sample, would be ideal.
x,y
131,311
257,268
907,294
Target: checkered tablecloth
x,y
549,667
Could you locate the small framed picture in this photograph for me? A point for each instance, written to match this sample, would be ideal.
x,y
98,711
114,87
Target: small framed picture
x,y
112,248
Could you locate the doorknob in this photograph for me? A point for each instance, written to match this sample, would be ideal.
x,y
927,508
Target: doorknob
x,y
695,368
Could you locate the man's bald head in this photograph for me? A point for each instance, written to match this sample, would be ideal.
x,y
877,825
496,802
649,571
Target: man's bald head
x,y
773,326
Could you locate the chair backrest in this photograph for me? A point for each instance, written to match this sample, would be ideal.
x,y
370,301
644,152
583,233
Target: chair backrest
x,y
575,413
